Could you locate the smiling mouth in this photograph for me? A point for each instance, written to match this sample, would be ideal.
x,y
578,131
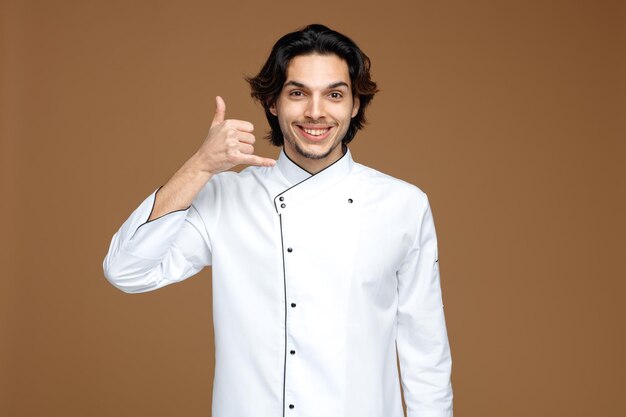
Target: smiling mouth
x,y
315,133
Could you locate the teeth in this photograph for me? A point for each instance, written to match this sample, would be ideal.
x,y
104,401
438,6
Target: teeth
x,y
315,132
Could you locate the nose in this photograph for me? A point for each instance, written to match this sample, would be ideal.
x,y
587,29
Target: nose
x,y
315,108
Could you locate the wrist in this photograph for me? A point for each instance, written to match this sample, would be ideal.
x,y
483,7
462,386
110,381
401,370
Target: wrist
x,y
196,171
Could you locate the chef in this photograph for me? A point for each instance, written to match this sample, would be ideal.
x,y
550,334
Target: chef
x,y
323,270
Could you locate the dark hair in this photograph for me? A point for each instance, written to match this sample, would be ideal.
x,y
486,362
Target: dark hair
x,y
267,85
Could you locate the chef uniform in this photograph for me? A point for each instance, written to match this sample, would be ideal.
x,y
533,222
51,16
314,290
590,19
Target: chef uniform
x,y
316,280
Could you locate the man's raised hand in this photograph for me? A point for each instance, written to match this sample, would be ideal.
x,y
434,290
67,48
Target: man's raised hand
x,y
228,143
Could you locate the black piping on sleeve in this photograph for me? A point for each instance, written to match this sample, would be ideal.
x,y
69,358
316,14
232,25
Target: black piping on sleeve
x,y
152,209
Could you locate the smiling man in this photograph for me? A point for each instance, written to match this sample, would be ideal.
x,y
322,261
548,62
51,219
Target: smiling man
x,y
325,271
314,117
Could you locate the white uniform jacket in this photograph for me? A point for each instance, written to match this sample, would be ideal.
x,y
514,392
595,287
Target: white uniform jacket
x,y
316,280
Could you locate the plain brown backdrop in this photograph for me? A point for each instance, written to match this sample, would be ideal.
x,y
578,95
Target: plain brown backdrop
x,y
510,115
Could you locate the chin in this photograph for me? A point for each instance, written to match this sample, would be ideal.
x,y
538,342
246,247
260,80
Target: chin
x,y
318,152
312,153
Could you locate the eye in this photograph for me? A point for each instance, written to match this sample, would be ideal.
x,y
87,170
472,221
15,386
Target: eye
x,y
336,95
296,93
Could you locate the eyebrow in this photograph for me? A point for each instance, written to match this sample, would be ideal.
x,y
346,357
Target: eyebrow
x,y
333,85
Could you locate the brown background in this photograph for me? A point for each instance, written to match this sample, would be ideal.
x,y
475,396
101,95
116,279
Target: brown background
x,y
510,115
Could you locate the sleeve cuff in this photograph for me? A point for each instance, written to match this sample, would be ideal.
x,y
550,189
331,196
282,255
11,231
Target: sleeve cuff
x,y
150,238
152,199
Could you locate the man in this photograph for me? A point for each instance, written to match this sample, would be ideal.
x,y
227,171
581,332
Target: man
x,y
321,266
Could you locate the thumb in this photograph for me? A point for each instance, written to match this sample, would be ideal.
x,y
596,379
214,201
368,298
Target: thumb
x,y
220,111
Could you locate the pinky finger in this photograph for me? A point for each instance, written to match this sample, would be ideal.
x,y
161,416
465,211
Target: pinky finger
x,y
257,160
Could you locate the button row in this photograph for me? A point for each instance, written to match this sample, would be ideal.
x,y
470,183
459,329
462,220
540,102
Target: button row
x,y
293,305
293,352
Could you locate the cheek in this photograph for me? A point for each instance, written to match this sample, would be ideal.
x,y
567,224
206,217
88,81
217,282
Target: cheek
x,y
288,113
284,122
344,114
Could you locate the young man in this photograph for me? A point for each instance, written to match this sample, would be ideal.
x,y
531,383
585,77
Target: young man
x,y
322,267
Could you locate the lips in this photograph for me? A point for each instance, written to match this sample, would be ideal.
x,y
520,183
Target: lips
x,y
315,134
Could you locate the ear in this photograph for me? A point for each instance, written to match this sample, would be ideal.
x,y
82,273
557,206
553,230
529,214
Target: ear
x,y
272,109
355,106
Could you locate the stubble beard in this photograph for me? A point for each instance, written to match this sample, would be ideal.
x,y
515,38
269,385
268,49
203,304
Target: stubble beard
x,y
294,143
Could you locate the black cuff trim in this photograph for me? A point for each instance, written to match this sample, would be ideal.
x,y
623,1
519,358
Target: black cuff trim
x,y
152,209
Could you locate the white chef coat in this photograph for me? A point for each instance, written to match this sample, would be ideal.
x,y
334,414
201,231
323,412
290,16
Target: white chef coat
x,y
316,280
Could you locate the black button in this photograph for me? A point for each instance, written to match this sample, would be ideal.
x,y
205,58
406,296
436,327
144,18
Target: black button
x,y
293,352
283,205
291,406
289,250
350,200
281,198
293,304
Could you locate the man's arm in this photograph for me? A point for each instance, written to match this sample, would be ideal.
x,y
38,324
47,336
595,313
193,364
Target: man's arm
x,y
228,143
422,340
147,255
165,240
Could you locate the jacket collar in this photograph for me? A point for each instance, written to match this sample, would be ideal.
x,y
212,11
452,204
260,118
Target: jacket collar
x,y
305,184
292,172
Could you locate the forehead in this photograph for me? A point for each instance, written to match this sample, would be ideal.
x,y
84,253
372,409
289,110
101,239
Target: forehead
x,y
315,70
